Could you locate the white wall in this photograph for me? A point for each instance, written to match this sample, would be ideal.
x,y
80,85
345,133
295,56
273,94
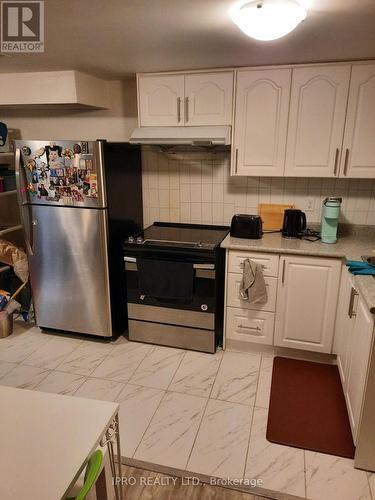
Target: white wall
x,y
197,188
115,124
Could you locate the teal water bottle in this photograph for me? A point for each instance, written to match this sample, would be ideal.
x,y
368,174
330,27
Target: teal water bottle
x,y
330,219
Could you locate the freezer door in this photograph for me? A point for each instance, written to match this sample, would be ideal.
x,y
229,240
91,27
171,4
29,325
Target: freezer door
x,y
69,269
65,173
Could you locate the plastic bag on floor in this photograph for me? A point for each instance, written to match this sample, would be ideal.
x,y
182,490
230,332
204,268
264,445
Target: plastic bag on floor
x,y
14,256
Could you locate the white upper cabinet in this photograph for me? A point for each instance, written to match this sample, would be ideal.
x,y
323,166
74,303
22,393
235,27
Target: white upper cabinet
x,y
306,302
358,159
160,100
208,98
261,119
183,100
316,120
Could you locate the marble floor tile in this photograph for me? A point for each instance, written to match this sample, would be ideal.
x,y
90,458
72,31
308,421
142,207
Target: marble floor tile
x,y
61,383
95,388
196,373
16,349
51,354
334,478
85,358
137,406
169,438
237,378
158,367
122,361
24,377
281,468
221,445
5,367
264,384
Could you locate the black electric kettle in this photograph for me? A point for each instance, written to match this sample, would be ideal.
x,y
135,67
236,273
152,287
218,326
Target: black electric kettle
x,y
294,223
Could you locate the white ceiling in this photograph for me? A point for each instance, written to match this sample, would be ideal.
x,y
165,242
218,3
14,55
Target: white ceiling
x,y
115,38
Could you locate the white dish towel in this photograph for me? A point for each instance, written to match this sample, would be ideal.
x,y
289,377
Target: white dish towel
x,y
253,287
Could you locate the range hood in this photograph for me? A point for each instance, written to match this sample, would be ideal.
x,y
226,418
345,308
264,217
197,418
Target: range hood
x,y
192,136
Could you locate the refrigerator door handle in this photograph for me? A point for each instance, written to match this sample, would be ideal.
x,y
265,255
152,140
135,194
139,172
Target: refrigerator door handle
x,y
99,159
21,188
28,226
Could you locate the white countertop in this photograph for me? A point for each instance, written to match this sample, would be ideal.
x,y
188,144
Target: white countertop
x,y
45,439
349,247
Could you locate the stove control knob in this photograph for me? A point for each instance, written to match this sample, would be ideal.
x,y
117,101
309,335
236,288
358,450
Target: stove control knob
x,y
204,307
200,244
139,239
131,239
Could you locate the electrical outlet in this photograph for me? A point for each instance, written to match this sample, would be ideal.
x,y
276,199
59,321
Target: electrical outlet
x,y
310,205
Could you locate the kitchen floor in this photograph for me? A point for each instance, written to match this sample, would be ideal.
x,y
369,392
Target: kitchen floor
x,y
200,412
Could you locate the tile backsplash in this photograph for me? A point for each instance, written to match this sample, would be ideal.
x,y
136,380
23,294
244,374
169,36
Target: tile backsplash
x,y
197,188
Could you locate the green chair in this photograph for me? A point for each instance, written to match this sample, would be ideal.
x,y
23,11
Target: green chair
x,y
92,471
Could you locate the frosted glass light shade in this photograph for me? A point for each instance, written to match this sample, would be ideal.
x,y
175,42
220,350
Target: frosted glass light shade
x,y
268,19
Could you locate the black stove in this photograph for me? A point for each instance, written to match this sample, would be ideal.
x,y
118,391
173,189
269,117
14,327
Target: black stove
x,y
182,303
173,236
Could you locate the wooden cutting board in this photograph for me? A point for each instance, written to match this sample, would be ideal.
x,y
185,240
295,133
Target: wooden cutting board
x,y
272,215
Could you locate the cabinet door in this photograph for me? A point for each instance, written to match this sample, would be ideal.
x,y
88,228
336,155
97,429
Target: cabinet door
x,y
306,302
208,98
360,347
160,100
261,119
345,321
316,120
359,145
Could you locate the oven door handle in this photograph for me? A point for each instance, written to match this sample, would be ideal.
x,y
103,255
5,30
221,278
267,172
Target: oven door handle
x,y
206,267
130,259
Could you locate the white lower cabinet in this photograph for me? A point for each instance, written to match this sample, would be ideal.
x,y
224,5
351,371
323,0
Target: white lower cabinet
x,y
250,326
306,302
301,308
345,321
353,343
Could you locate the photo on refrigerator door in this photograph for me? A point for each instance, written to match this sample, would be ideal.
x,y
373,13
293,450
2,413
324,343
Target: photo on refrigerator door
x,y
54,158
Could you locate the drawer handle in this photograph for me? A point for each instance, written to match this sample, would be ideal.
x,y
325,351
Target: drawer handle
x,y
241,266
256,328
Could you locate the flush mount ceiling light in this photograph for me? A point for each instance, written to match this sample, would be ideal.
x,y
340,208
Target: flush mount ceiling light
x,y
268,19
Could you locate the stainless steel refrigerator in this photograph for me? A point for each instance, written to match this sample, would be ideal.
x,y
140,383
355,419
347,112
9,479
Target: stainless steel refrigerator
x,y
79,201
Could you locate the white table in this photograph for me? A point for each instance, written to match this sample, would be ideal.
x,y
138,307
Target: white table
x,y
45,440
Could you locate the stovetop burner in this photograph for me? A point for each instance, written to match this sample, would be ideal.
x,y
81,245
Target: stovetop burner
x,y
173,235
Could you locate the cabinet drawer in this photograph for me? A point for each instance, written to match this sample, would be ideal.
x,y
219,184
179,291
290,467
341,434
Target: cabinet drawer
x,y
233,294
269,262
250,326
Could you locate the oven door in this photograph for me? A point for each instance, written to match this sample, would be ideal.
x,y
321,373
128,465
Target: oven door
x,y
203,299
189,324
